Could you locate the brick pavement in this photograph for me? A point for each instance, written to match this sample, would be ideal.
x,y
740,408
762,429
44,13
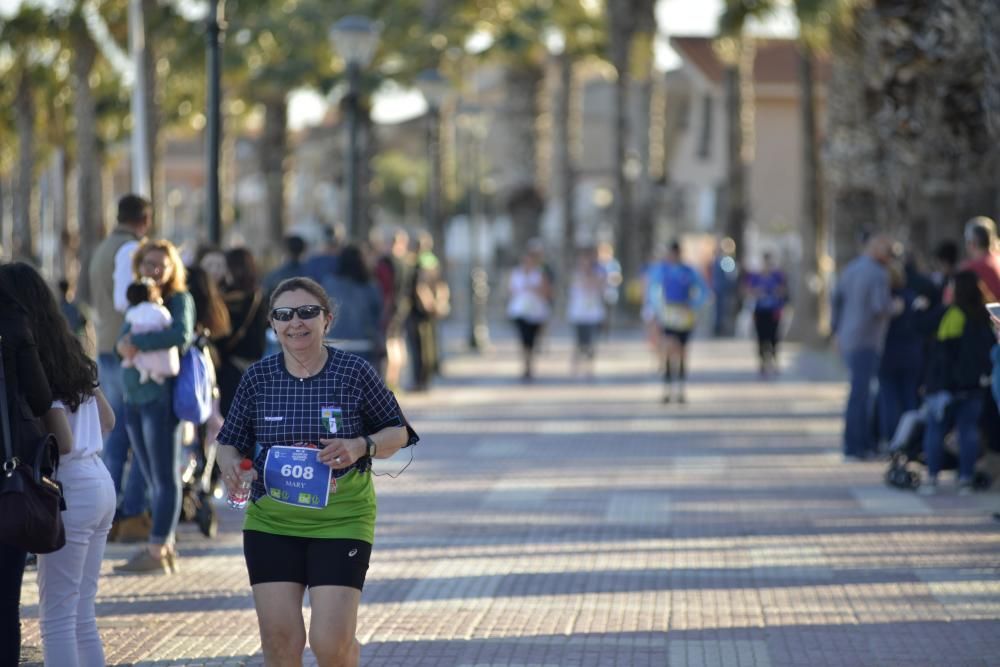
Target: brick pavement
x,y
575,523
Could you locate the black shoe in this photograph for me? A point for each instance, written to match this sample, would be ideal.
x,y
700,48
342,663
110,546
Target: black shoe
x,y
208,523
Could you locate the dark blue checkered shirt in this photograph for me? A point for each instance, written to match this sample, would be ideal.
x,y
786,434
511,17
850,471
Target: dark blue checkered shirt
x,y
273,407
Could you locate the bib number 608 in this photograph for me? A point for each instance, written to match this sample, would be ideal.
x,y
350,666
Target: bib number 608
x,y
297,472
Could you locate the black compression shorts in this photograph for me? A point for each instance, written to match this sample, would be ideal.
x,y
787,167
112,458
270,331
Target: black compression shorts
x,y
310,561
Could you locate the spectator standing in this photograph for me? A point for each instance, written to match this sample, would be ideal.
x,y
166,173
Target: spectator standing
x,y
211,324
356,297
394,275
725,286
110,273
958,373
295,249
429,299
982,257
212,260
26,386
71,311
945,265
68,578
245,343
862,308
901,367
324,263
154,429
769,290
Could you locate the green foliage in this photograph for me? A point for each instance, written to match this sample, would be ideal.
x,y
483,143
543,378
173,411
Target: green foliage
x,y
400,179
818,20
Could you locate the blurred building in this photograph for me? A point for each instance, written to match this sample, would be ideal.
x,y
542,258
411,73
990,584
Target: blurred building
x,y
696,171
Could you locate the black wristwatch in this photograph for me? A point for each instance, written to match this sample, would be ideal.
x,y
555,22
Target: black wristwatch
x,y
370,448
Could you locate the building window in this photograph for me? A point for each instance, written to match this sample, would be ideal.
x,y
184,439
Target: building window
x,y
705,140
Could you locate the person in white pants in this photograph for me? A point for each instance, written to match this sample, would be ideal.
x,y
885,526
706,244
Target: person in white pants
x,y
67,579
79,418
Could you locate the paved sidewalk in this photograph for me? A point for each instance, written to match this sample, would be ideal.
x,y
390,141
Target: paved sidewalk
x,y
578,523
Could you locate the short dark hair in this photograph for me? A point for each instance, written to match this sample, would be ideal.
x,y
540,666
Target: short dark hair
x,y
295,245
140,291
946,252
132,209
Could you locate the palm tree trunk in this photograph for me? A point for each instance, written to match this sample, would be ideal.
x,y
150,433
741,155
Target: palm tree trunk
x,y
24,121
811,316
564,176
369,149
738,75
621,28
645,215
273,153
88,164
154,149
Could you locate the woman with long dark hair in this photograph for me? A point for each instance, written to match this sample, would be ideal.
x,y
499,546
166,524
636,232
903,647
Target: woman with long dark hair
x,y
959,369
211,323
28,393
67,579
247,310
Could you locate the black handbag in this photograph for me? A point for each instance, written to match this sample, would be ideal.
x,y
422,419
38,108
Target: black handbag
x,y
31,500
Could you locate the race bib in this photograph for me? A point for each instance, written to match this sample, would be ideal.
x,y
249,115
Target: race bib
x,y
295,476
677,317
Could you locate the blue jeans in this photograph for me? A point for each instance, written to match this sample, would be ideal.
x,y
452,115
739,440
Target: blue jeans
x,y
862,364
116,444
897,393
963,415
11,573
155,434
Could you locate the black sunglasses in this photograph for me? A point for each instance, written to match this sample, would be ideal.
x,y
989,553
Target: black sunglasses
x,y
304,313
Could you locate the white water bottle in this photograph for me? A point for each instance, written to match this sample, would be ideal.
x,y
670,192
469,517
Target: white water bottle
x,y
239,495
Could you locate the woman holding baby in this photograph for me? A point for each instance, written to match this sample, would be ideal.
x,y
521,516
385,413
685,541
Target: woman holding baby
x,y
153,429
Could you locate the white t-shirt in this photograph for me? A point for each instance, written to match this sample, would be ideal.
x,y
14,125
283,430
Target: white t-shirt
x,y
586,298
525,301
85,424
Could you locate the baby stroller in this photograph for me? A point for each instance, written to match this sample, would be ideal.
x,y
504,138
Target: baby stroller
x,y
906,454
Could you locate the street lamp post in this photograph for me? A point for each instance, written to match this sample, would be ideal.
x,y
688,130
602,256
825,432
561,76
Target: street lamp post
x,y
355,39
475,125
213,36
434,88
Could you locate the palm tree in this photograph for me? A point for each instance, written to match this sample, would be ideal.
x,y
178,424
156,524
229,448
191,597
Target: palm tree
x,y
23,34
737,51
910,141
88,157
621,28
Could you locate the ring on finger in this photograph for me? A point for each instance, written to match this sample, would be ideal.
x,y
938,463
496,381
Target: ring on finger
x,y
337,460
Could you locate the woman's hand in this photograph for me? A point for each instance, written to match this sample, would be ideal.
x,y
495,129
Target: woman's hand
x,y
228,460
340,452
125,347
